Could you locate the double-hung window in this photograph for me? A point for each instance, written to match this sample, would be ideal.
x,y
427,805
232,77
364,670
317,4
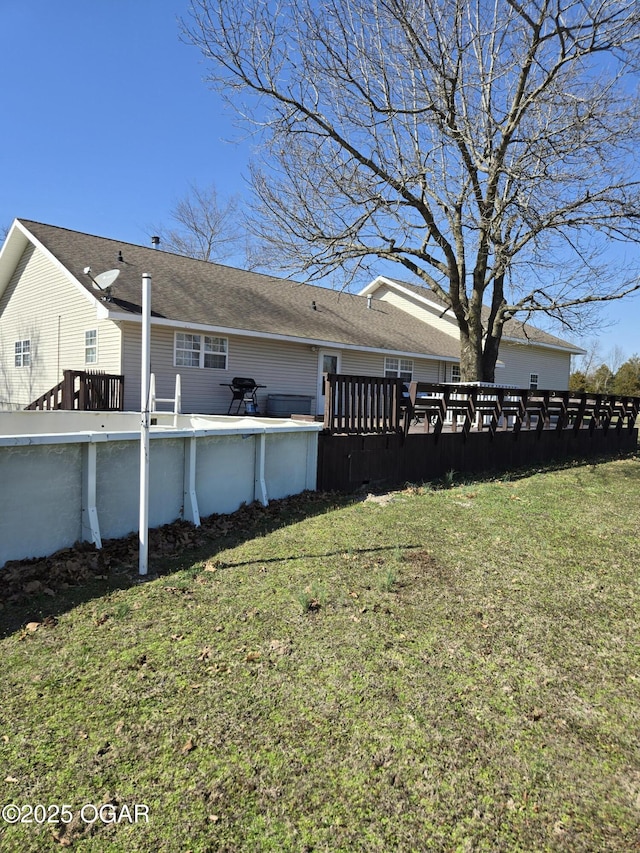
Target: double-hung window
x,y
91,346
533,381
400,367
455,373
200,351
215,352
22,351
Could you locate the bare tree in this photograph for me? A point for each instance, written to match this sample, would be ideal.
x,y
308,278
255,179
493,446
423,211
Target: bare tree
x,y
202,228
590,359
616,358
484,147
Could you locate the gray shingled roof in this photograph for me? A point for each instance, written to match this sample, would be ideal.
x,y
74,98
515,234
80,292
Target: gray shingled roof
x,y
198,292
513,328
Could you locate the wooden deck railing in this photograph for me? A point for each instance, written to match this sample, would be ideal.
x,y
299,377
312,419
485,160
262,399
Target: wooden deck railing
x,y
363,404
84,390
482,407
368,404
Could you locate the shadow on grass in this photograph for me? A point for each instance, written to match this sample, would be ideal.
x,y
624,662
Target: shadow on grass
x,y
359,551
458,478
39,589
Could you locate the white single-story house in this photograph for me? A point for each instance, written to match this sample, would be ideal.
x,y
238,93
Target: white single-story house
x,y
211,323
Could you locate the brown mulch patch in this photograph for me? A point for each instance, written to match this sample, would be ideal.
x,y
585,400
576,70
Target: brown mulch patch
x,y
20,580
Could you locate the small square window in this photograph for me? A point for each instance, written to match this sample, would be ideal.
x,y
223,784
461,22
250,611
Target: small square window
x,y
187,350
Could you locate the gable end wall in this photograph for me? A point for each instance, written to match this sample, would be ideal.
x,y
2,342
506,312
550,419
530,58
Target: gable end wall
x,y
521,360
41,305
418,310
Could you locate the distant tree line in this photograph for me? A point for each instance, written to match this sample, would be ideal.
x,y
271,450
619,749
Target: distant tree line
x,y
624,380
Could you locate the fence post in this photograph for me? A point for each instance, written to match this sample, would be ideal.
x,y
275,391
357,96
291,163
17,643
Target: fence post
x,y
82,390
67,390
328,386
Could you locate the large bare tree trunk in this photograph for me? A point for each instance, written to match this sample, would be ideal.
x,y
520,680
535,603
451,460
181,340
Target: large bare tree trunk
x,y
471,342
490,358
470,359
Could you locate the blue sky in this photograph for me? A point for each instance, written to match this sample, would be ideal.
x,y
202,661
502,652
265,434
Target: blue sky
x,y
107,121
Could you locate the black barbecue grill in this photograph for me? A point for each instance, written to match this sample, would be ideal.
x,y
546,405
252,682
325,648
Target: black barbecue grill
x,y
243,393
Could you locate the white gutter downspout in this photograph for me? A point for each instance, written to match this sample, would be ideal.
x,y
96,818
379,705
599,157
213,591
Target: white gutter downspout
x,y
143,528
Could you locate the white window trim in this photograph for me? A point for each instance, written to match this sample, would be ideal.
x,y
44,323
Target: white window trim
x,y
398,371
534,384
20,351
200,351
87,346
458,378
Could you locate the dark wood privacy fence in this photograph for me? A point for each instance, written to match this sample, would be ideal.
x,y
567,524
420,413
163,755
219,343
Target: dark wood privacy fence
x,y
84,390
426,430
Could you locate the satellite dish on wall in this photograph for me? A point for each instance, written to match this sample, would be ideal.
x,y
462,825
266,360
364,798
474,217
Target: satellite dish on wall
x,y
105,279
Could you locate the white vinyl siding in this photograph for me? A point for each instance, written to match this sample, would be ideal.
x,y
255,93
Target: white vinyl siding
x,y
416,308
42,305
285,367
551,367
372,364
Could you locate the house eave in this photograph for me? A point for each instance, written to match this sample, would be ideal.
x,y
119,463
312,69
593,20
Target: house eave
x,y
124,317
522,342
394,285
382,279
11,252
17,241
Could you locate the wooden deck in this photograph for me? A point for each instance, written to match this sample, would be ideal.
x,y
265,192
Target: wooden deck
x,y
361,405
426,430
84,390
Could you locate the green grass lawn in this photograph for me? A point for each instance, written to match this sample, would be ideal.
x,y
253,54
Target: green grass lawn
x,y
452,669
